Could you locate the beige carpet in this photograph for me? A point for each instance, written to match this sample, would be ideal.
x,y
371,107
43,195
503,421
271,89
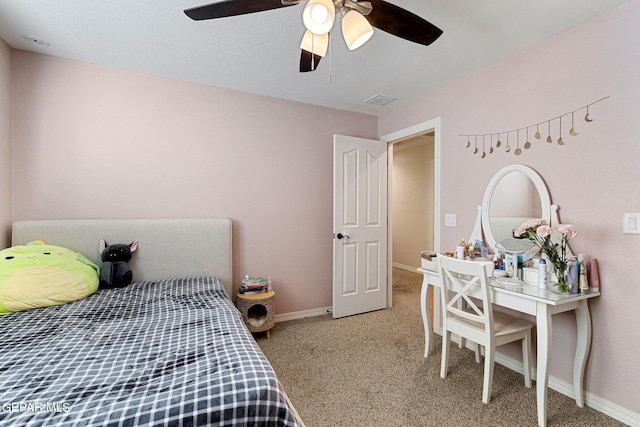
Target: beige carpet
x,y
369,370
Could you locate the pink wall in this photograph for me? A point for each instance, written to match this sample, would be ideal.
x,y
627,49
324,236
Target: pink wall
x,y
594,178
5,143
98,142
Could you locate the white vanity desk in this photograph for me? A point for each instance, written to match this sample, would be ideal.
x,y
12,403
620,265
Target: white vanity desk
x,y
539,303
514,194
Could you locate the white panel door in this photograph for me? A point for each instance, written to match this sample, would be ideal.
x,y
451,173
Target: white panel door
x,y
359,225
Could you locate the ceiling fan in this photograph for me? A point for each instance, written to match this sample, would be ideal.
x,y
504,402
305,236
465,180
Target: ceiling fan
x,y
319,17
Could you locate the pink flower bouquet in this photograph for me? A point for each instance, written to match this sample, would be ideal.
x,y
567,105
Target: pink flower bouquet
x,y
539,232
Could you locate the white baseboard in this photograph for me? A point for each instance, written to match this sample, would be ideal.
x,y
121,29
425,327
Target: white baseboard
x,y
599,404
405,267
302,314
324,310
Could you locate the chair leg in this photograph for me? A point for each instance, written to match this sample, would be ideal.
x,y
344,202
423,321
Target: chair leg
x,y
476,347
526,358
477,351
489,355
444,363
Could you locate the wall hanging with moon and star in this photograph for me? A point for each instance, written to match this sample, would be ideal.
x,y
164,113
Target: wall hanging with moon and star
x,y
507,137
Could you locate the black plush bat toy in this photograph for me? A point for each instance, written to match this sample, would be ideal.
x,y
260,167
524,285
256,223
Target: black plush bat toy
x,y
115,270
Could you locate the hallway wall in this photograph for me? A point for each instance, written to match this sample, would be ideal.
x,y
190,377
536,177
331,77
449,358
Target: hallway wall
x,y
412,210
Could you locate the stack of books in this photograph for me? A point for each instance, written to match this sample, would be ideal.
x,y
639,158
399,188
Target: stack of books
x,y
253,284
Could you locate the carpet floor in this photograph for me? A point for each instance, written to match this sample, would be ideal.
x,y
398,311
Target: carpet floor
x,y
369,370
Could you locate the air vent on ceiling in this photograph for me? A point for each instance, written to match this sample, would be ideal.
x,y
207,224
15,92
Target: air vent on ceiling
x,y
37,41
379,100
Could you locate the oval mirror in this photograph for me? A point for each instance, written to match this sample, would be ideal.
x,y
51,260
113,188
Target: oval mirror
x,y
515,194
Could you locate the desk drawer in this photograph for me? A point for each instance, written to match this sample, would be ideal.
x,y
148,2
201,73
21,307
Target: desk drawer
x,y
514,302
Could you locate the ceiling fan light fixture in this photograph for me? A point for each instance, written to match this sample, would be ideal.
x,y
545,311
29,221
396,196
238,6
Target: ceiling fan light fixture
x,y
318,16
315,43
356,30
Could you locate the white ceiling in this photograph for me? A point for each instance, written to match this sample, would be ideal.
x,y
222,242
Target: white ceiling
x,y
259,53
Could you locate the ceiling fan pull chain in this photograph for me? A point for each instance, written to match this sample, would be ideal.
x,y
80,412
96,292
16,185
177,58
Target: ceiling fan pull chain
x,y
313,52
330,55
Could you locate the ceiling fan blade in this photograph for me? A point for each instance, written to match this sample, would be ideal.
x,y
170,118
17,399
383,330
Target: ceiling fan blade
x,y
402,23
226,8
308,61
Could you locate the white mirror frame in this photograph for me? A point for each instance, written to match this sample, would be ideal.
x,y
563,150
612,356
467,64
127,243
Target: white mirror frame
x,y
549,211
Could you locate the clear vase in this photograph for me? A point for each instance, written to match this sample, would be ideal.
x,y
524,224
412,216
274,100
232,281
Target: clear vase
x,y
563,286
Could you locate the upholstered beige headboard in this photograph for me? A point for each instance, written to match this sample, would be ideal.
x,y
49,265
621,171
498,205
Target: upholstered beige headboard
x,y
168,248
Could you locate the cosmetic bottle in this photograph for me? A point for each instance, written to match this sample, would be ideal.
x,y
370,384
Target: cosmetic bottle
x,y
513,270
518,267
594,277
572,275
497,262
583,284
542,274
508,264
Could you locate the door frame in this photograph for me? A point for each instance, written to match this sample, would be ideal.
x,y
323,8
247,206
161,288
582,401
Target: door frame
x,y
398,136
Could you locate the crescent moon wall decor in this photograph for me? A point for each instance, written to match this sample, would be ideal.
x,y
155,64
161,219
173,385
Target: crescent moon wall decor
x,y
518,151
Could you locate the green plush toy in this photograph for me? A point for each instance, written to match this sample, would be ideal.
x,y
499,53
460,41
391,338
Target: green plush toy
x,y
39,275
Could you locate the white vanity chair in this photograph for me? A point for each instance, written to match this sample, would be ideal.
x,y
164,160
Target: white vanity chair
x,y
514,194
469,281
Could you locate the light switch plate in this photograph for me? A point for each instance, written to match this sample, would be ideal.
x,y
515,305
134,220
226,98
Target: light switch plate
x,y
631,223
449,220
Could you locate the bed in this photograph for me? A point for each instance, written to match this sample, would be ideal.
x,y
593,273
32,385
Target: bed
x,y
169,349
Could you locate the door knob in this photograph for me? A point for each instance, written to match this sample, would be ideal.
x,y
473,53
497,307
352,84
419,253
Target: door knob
x,y
342,236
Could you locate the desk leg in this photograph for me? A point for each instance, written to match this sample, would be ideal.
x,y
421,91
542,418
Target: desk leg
x,y
426,318
544,335
583,321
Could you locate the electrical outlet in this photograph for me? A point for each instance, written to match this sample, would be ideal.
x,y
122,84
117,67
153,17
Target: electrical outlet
x,y
631,223
449,220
